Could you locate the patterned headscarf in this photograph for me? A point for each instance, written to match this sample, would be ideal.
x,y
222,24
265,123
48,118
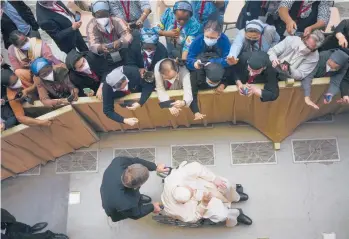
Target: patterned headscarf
x,y
149,35
183,5
38,64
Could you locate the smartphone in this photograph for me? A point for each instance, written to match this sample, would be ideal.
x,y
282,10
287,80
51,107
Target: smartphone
x,y
126,103
166,104
77,16
70,98
328,98
87,90
110,45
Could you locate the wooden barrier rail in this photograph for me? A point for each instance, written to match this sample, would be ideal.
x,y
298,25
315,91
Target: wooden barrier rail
x,y
25,147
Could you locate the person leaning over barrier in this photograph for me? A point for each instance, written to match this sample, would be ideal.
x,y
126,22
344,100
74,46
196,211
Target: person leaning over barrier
x,y
87,71
210,47
296,57
121,182
24,50
339,38
255,67
53,83
169,75
16,95
123,81
333,64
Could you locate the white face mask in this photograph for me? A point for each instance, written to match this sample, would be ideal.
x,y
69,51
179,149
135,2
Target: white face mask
x,y
149,52
26,46
210,42
49,77
85,67
329,69
210,84
17,85
103,22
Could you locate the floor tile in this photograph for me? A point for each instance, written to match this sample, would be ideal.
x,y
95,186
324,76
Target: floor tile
x,y
143,153
77,162
253,153
203,154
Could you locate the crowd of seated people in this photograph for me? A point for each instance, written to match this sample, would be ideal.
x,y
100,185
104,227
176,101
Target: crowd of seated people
x,y
122,54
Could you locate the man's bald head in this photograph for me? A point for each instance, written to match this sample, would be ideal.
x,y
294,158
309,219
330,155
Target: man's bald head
x,y
168,69
135,176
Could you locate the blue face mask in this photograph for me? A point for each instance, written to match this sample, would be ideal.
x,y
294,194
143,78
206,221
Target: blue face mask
x,y
210,42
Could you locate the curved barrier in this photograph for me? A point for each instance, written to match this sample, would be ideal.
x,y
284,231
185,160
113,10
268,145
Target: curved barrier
x,y
276,120
23,147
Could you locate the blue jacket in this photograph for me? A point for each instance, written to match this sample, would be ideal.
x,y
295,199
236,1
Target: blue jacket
x,y
198,46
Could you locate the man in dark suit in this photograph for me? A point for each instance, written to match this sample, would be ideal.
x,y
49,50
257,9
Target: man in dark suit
x,y
56,19
16,15
120,194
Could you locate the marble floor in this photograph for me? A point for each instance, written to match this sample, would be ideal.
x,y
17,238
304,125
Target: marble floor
x,y
299,191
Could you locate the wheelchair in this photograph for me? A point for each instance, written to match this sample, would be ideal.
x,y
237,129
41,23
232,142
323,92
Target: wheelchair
x,y
164,219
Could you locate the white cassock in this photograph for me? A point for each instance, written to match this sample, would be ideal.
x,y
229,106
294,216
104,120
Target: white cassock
x,y
199,178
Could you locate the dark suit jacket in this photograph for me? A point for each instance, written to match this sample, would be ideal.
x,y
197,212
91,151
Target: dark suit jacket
x,y
118,201
136,57
7,25
60,28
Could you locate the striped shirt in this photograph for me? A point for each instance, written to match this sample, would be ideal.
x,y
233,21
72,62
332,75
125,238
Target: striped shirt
x,y
134,9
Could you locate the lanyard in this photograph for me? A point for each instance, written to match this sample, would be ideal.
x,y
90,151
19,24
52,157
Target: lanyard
x,y
260,42
109,35
60,9
175,26
203,2
126,9
145,60
301,9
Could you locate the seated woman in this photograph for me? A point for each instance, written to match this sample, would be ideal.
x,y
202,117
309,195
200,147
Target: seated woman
x,y
8,118
108,36
257,36
179,28
255,67
333,64
87,71
301,16
208,53
53,83
339,38
23,51
16,95
123,81
171,76
296,57
152,51
192,192
203,9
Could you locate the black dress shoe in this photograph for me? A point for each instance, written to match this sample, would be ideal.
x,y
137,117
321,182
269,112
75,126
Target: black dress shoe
x,y
60,236
239,188
145,199
243,197
38,227
243,219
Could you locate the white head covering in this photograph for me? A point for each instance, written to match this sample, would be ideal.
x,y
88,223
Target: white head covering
x,y
181,194
115,77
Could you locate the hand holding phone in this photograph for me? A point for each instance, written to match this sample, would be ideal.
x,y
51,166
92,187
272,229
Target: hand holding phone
x,y
77,16
70,98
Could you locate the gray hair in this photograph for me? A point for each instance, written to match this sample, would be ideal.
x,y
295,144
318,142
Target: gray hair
x,y
318,36
134,176
214,26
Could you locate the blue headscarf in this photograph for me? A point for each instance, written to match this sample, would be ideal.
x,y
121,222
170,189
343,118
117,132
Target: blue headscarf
x,y
149,35
183,5
38,64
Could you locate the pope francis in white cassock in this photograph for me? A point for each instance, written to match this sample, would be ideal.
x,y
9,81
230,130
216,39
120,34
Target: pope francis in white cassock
x,y
193,192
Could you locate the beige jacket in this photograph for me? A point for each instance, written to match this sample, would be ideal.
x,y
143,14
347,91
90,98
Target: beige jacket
x,y
293,50
182,82
197,177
